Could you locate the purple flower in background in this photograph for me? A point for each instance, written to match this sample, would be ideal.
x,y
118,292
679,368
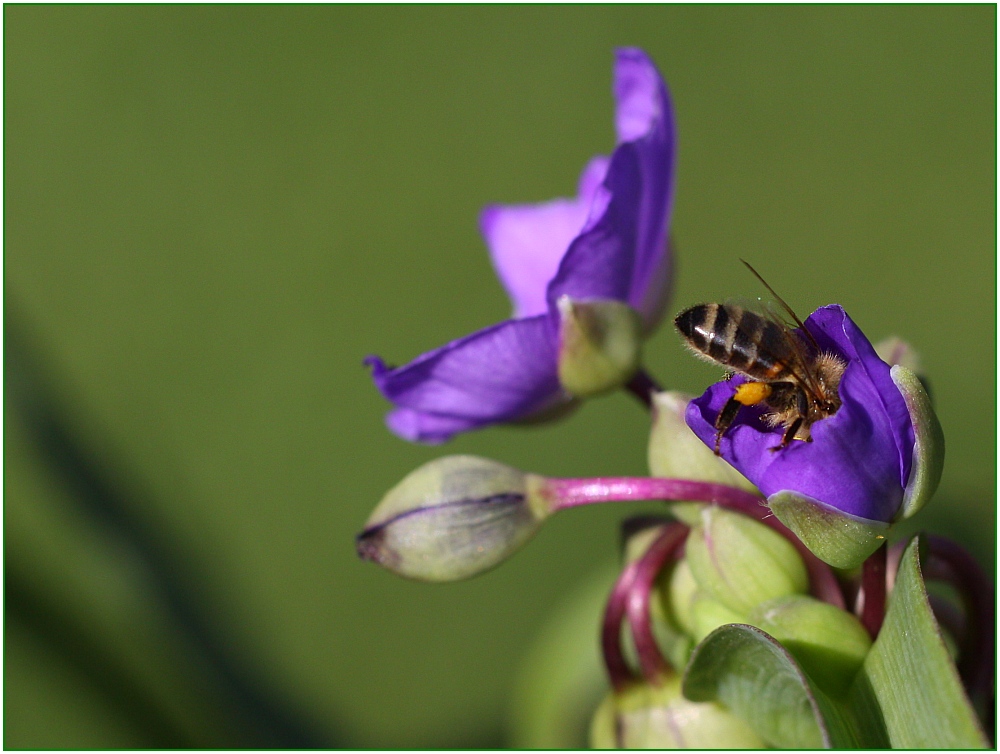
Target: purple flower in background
x,y
860,459
609,244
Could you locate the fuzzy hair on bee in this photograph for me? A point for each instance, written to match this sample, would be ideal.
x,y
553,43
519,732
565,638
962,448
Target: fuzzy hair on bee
x,y
786,370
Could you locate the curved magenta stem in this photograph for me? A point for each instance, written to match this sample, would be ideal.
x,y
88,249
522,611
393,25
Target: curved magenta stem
x,y
619,673
569,493
871,598
638,602
630,596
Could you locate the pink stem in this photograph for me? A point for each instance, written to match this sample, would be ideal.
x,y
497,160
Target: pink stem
x,y
569,493
872,594
619,673
637,605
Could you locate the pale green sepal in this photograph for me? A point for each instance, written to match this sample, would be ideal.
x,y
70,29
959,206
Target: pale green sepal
x,y
600,345
835,537
908,687
450,519
649,717
928,448
830,644
753,676
676,452
446,480
741,562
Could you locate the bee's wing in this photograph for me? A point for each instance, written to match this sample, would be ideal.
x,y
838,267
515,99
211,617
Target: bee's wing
x,y
809,380
784,306
802,368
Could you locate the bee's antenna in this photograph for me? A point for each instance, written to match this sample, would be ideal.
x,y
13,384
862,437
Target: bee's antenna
x,y
786,307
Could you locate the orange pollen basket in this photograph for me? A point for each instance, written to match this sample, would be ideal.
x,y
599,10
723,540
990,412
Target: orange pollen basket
x,y
752,393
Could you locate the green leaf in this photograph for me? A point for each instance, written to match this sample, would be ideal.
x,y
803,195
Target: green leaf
x,y
908,688
750,673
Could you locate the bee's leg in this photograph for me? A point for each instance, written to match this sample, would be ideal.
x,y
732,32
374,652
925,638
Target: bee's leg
x,y
789,435
725,418
784,393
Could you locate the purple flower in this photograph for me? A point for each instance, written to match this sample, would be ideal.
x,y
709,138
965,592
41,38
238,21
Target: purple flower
x,y
607,244
860,459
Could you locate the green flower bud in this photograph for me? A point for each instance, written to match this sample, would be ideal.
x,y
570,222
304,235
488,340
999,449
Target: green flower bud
x,y
708,614
600,345
830,644
681,592
649,717
676,452
453,518
674,584
741,562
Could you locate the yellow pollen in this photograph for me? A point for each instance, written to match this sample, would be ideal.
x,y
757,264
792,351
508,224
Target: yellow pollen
x,y
752,393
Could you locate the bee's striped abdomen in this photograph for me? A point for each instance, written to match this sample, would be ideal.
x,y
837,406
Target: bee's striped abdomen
x,y
738,338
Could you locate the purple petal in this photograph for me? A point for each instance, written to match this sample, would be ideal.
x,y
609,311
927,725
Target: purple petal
x,y
432,429
745,444
527,241
502,373
623,253
835,331
637,88
859,459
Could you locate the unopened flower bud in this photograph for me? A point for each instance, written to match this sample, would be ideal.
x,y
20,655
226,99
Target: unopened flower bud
x,y
830,644
741,562
600,344
681,592
659,717
452,518
708,614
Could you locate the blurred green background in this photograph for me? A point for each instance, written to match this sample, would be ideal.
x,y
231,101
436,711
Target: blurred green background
x,y
213,213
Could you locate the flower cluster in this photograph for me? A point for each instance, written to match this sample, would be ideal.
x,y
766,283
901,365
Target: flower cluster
x,y
768,610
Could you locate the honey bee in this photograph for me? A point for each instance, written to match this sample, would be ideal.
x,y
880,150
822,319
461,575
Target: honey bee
x,y
788,372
